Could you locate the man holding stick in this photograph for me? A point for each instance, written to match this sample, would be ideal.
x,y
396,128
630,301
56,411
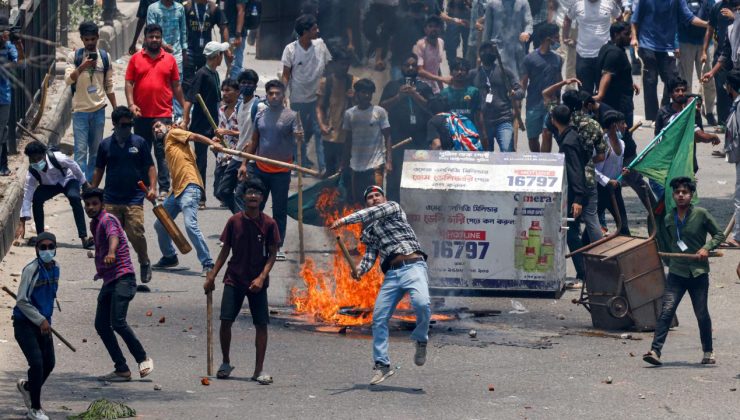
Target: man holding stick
x,y
254,238
276,131
32,321
387,233
113,265
207,84
187,190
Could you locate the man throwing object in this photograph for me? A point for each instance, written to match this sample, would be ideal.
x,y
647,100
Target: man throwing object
x,y
387,232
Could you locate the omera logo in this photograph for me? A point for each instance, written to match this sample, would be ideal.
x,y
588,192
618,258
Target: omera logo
x,y
533,198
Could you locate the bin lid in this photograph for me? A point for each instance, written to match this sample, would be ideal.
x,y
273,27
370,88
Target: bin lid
x,y
617,245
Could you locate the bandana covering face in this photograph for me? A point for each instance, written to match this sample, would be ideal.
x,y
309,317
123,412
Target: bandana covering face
x,y
372,189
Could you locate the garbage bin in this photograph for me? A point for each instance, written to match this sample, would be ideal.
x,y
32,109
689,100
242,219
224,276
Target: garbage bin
x,y
624,283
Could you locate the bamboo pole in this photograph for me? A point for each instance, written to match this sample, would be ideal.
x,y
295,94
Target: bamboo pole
x,y
286,165
347,257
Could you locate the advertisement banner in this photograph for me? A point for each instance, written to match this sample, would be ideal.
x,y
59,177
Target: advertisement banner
x,y
488,220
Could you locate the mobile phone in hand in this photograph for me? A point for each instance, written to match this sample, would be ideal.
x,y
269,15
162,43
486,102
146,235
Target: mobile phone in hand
x,y
93,56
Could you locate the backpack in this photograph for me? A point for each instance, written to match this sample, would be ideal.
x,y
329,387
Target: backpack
x,y
54,162
78,60
464,135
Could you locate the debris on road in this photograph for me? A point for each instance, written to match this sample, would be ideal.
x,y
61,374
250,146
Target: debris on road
x,y
84,340
609,380
161,320
626,336
149,313
104,409
157,387
90,254
560,317
490,387
472,333
518,307
204,381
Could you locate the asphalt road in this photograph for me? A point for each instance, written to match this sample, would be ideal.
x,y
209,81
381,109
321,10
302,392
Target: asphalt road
x,y
541,364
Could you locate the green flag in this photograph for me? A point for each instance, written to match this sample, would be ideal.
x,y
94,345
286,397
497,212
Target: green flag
x,y
670,154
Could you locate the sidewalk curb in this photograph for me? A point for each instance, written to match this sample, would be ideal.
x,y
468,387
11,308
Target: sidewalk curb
x,y
115,39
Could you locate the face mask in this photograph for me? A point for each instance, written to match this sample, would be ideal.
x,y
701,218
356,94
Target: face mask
x,y
48,255
487,59
39,166
122,132
248,90
554,46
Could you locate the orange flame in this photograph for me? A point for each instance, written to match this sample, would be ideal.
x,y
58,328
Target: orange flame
x,y
330,289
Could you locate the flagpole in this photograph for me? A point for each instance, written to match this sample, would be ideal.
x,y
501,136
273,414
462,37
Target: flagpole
x,y
652,144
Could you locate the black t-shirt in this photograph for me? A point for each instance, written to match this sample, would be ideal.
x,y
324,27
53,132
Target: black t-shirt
x,y
437,129
124,167
719,23
207,83
601,112
200,20
252,15
400,114
334,19
407,30
618,95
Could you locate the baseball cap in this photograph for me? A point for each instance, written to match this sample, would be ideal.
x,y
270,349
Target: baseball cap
x,y
214,47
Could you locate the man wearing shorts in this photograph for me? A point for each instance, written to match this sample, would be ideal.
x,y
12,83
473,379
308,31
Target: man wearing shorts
x,y
255,239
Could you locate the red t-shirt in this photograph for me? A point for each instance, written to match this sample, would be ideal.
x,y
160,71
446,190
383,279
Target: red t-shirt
x,y
152,78
249,240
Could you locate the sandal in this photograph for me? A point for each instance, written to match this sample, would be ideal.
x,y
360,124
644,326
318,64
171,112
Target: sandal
x,y
730,245
224,371
262,379
115,377
146,367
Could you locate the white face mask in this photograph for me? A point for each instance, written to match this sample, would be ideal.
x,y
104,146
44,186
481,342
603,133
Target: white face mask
x,y
48,255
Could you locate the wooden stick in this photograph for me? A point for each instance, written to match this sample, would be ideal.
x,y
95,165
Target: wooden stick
x,y
208,115
299,158
395,146
730,226
347,257
712,254
30,134
636,126
209,327
59,336
286,165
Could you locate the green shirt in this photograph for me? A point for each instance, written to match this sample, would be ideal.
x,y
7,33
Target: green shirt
x,y
693,232
465,101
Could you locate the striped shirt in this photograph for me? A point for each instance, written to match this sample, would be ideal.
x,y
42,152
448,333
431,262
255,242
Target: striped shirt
x,y
386,232
228,123
103,227
174,29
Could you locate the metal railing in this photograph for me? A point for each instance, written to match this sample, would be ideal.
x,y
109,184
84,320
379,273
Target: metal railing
x,y
36,23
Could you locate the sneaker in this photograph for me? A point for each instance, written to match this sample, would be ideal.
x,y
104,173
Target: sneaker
x,y
21,384
163,195
420,357
711,121
34,414
115,377
202,205
206,269
381,373
167,262
146,272
252,38
652,357
88,243
708,358
280,256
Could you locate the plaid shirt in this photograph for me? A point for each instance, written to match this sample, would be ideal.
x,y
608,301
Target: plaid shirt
x,y
228,123
172,21
386,232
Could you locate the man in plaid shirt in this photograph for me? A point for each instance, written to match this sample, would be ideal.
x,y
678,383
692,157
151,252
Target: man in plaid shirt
x,y
387,233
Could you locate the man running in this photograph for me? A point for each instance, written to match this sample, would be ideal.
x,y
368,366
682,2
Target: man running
x,y
387,233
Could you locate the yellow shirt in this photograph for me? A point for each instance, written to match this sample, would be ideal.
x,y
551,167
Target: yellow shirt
x,y
92,85
181,161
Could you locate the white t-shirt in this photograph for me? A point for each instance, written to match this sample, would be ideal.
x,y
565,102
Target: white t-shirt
x,y
368,144
593,20
246,125
307,67
611,166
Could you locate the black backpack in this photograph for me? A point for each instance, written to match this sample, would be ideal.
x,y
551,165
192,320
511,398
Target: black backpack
x,y
54,162
78,60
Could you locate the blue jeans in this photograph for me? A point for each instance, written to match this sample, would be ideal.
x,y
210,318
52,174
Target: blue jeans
x,y
277,184
310,123
412,278
504,134
590,216
187,203
236,65
88,132
675,288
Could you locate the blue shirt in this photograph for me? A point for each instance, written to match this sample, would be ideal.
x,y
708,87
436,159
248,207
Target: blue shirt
x,y
124,167
6,88
172,21
44,292
657,22
690,34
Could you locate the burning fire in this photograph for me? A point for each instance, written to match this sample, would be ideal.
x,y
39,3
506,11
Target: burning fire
x,y
330,289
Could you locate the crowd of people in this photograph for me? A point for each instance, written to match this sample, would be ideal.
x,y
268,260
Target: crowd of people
x,y
572,65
